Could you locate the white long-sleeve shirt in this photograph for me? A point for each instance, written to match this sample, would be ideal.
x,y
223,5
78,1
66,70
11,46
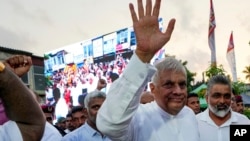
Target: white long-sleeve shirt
x,y
51,133
122,118
9,131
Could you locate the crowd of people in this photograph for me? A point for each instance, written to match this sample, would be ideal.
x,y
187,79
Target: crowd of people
x,y
126,112
75,82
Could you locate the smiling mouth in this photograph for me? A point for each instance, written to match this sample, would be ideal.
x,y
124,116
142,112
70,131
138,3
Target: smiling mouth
x,y
176,99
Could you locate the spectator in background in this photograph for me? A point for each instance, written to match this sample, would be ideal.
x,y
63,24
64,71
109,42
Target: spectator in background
x,y
61,123
233,102
193,102
61,108
239,104
69,123
89,131
49,116
215,121
78,116
48,112
110,77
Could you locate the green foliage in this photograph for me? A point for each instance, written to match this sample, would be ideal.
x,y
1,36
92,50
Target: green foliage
x,y
202,93
214,70
239,87
247,112
190,76
190,79
247,72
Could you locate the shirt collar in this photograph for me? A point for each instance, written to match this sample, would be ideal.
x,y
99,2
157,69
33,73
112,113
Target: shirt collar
x,y
205,117
92,131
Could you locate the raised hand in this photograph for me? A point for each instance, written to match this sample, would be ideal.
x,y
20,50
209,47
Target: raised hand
x,y
19,64
148,35
101,84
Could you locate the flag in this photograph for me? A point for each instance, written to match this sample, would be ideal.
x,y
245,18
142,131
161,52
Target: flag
x,y
211,38
231,57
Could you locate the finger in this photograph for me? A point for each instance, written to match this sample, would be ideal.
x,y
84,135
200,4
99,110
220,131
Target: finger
x,y
21,61
13,61
148,7
132,12
170,28
156,9
28,60
140,9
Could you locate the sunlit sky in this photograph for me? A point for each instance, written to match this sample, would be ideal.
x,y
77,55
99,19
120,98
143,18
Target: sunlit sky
x,y
45,25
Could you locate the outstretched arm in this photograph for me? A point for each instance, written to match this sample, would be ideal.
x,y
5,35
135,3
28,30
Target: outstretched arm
x,y
19,102
116,116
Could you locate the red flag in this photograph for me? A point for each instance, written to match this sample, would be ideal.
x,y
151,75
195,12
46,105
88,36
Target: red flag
x,y
231,57
230,43
211,38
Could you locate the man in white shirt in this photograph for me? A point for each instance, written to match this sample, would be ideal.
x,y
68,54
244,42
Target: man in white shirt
x,y
89,131
122,117
61,107
19,103
215,121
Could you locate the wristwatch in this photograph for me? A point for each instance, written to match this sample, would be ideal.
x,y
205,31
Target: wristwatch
x,y
2,66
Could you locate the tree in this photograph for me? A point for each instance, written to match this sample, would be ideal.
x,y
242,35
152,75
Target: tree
x,y
190,76
247,72
239,87
214,70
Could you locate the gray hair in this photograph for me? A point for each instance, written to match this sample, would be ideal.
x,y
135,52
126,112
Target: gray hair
x,y
168,63
91,95
218,79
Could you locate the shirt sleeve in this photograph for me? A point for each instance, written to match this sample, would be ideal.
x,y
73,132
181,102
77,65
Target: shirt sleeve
x,y
115,115
10,132
51,133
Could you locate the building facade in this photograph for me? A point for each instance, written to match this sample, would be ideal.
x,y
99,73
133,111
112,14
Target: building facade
x,y
34,79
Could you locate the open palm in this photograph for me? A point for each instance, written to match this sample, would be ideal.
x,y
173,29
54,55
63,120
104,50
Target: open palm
x,y
148,35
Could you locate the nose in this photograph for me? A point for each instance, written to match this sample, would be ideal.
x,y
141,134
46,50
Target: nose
x,y
177,89
197,104
222,100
